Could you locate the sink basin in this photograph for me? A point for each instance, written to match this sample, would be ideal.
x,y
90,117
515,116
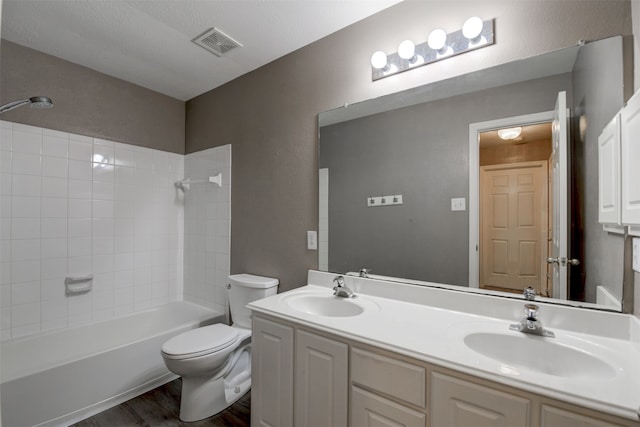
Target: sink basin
x,y
540,355
329,305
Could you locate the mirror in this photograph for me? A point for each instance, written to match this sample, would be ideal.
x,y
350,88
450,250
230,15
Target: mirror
x,y
399,174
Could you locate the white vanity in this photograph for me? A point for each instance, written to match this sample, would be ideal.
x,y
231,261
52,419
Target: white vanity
x,y
401,354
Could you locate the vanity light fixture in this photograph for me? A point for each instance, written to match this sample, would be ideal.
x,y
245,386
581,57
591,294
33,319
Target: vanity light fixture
x,y
474,34
509,133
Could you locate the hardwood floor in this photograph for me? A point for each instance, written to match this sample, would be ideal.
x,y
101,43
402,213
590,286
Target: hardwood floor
x,y
161,406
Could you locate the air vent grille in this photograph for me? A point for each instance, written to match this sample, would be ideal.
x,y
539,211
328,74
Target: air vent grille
x,y
216,42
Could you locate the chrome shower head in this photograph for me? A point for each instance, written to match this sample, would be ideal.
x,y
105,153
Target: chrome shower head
x,y
40,102
35,102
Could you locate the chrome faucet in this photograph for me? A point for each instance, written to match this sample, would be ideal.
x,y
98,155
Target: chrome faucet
x,y
530,323
340,290
529,293
364,272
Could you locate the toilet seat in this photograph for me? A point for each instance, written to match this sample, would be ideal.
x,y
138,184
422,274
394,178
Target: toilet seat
x,y
200,342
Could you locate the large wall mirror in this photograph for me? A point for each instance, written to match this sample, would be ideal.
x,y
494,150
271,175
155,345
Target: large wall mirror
x,y
418,185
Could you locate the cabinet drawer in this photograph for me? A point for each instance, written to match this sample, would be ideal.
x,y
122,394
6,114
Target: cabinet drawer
x,y
556,417
368,409
459,403
399,379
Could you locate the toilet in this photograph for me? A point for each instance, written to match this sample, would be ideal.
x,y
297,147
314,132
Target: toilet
x,y
215,361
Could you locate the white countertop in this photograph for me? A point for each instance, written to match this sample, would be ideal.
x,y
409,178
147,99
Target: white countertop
x,y
429,324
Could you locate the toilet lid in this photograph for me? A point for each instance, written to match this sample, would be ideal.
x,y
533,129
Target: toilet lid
x,y
200,341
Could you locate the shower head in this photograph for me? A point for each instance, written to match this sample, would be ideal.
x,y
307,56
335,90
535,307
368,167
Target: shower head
x,y
34,102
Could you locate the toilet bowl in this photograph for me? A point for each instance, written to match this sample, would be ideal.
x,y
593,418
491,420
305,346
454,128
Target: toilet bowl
x,y
215,361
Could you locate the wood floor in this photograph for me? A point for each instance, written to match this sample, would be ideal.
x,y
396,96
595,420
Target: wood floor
x,y
161,406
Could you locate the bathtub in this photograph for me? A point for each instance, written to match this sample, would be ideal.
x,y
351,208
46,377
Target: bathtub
x,y
61,377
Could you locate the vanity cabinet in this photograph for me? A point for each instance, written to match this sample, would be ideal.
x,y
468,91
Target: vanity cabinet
x,y
386,391
321,381
456,402
272,373
309,378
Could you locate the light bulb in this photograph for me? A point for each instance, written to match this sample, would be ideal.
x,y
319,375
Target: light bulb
x,y
437,39
406,49
472,27
379,60
509,133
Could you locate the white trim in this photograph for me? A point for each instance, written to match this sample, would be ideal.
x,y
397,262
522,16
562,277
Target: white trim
x,y
474,180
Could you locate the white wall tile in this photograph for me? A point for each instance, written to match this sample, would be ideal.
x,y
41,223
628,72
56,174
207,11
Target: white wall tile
x,y
55,268
74,205
53,207
25,271
54,248
25,228
79,208
26,185
54,166
79,227
103,151
25,207
25,249
25,293
80,189
80,170
25,163
79,246
55,144
54,187
80,149
27,140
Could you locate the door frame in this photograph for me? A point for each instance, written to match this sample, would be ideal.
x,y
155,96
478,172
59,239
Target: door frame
x,y
474,180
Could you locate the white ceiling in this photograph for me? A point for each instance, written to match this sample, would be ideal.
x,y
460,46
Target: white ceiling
x,y
148,42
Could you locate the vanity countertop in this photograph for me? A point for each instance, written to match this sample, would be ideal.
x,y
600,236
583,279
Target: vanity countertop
x,y
430,324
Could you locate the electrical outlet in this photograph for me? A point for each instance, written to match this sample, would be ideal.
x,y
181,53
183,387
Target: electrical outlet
x,y
458,204
636,254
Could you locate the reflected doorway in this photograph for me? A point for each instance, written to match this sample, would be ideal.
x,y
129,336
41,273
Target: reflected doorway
x,y
514,208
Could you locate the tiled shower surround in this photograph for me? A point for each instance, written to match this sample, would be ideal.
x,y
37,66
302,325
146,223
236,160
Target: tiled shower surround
x,y
73,205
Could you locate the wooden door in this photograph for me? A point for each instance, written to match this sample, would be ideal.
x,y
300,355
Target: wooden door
x,y
559,247
513,231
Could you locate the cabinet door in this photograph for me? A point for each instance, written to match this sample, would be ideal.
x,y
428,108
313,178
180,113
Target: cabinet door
x,y
371,410
555,417
609,173
321,381
459,403
272,374
630,154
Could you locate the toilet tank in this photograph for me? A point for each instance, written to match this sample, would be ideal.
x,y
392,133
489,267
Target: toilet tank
x,y
245,288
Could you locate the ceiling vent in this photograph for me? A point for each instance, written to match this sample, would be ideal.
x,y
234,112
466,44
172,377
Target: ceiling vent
x,y
216,42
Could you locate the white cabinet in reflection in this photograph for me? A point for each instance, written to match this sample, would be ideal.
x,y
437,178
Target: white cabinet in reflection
x,y
630,161
609,211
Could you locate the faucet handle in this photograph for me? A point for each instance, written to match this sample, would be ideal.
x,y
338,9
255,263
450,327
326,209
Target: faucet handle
x,y
339,280
364,272
531,311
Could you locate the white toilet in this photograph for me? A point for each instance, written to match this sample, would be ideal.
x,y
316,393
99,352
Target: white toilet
x,y
215,361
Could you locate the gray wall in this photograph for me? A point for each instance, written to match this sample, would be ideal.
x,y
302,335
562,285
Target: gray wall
x,y
421,152
88,102
269,115
598,94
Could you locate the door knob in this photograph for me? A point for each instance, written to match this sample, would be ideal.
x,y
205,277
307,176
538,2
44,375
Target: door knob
x,y
563,261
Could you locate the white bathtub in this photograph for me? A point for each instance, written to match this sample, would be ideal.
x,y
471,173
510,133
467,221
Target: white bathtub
x,y
59,378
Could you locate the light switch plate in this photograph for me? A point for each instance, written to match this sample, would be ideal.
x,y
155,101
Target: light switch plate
x,y
312,240
636,254
458,204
